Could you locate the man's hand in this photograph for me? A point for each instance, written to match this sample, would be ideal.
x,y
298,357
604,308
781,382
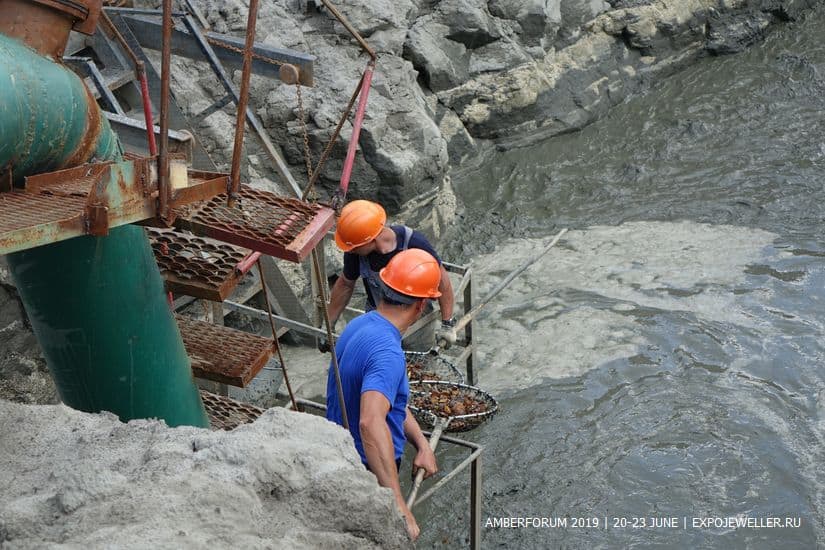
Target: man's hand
x,y
425,458
446,335
412,526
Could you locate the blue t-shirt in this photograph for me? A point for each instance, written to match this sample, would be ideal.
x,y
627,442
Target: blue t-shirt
x,y
370,359
377,261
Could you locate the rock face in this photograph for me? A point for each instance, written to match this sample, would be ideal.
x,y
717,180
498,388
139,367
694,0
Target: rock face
x,y
289,480
455,71
24,376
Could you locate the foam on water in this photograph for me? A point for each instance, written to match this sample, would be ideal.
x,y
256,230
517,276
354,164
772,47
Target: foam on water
x,y
547,315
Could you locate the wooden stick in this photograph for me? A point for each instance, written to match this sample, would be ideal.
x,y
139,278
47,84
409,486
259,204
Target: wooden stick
x,y
419,476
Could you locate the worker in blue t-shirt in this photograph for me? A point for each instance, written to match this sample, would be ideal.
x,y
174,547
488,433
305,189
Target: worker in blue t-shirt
x,y
374,374
368,247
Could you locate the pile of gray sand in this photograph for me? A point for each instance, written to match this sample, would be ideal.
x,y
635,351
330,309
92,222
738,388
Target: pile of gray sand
x,y
288,480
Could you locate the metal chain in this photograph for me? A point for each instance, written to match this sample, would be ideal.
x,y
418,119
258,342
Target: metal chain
x,y
334,138
302,117
222,44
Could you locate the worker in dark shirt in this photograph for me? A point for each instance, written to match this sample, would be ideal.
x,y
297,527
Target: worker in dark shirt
x,y
368,246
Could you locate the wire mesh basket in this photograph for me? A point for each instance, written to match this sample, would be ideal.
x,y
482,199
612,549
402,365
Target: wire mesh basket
x,y
465,407
423,365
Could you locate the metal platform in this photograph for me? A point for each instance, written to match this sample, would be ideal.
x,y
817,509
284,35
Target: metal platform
x,y
89,200
227,414
262,221
223,354
196,266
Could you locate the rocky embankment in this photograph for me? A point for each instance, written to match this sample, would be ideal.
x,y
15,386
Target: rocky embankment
x,y
455,75
24,376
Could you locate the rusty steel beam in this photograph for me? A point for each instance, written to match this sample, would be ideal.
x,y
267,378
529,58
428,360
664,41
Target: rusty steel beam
x,y
164,185
266,60
243,101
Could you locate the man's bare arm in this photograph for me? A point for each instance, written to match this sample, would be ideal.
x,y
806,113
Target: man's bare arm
x,y
424,458
339,297
446,300
377,441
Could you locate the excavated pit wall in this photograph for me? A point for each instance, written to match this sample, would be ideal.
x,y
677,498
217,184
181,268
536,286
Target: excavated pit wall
x,y
455,75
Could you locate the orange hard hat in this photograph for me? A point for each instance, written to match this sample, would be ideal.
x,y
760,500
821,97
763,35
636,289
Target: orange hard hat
x,y
413,272
360,222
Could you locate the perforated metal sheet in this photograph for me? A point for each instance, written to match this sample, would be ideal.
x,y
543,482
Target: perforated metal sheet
x,y
196,266
28,220
88,200
223,354
21,211
227,414
280,227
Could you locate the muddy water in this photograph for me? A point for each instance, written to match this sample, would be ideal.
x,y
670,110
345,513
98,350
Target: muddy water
x,y
667,360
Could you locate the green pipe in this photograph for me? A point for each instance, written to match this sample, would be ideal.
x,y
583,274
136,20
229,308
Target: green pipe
x,y
45,118
96,304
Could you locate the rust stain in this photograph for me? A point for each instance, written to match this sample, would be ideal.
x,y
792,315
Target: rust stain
x,y
39,26
123,186
97,220
88,143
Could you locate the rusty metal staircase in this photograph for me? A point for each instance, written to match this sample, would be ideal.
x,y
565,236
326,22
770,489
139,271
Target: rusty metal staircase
x,y
210,269
199,255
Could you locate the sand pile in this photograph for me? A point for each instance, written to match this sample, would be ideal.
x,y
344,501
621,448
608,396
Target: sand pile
x,y
289,480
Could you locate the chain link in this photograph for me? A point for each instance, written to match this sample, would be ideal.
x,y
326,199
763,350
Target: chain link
x,y
305,131
222,44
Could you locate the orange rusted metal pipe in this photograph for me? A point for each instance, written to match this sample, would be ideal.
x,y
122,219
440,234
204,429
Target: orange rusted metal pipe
x,y
243,101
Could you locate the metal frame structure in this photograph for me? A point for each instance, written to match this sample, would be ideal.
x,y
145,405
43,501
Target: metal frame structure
x,y
140,28
119,45
115,84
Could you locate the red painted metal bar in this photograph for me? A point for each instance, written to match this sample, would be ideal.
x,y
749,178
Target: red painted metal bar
x,y
243,100
147,109
341,193
140,73
317,171
247,263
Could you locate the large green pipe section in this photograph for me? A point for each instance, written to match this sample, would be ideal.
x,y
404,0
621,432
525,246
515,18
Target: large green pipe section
x,y
46,122
96,304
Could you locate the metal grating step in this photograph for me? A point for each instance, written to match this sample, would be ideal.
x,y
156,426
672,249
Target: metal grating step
x,y
195,266
33,220
281,227
89,200
227,414
223,354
